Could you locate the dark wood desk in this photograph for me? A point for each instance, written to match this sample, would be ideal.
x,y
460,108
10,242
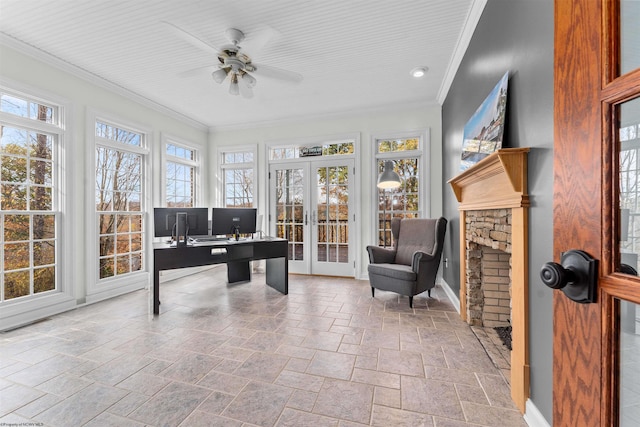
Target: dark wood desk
x,y
235,254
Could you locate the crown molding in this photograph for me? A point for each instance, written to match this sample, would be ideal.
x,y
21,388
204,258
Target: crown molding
x,y
473,17
85,75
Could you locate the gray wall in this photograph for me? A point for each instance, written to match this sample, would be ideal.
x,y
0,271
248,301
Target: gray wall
x,y
514,36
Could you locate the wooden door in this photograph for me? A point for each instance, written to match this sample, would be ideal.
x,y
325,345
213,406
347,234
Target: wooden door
x,y
596,94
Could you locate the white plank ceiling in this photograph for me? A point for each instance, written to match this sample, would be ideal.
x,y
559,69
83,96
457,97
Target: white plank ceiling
x,y
354,55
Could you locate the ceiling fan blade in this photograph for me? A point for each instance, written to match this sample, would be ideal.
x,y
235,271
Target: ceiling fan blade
x,y
245,89
257,40
277,73
190,38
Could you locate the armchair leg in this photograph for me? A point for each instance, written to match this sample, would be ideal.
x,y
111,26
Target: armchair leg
x,y
373,292
410,302
429,293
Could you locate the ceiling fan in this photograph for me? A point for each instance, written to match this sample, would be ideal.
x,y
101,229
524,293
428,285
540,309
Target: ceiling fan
x,y
237,65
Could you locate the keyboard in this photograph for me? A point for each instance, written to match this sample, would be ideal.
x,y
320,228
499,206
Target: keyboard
x,y
205,239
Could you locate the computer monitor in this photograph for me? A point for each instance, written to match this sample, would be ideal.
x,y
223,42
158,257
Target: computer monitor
x,y
225,221
180,222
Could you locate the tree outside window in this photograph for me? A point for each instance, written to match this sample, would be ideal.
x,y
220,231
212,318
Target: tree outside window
x,y
181,167
119,200
27,198
403,202
239,183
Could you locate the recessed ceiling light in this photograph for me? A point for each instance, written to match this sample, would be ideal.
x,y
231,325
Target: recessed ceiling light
x,y
418,72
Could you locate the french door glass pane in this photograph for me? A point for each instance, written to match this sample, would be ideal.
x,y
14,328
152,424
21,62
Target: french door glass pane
x,y
629,364
332,184
289,210
629,46
629,233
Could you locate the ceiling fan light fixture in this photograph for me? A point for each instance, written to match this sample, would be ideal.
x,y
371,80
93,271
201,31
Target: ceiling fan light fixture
x,y
249,79
418,72
219,75
233,61
234,89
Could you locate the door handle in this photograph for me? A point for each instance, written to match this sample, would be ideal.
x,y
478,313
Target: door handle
x,y
306,218
576,276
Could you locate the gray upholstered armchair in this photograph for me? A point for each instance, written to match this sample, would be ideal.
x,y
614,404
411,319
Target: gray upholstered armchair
x,y
410,266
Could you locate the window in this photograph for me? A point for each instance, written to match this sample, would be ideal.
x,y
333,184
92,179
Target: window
x,y
119,194
238,170
30,133
181,169
332,148
630,187
403,202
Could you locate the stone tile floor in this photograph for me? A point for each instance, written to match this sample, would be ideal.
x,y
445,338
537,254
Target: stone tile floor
x,y
245,355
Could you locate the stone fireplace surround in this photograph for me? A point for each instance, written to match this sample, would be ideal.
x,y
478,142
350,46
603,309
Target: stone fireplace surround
x,y
499,182
488,267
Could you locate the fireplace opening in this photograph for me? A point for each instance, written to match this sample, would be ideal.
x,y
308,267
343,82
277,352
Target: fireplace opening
x,y
488,286
488,283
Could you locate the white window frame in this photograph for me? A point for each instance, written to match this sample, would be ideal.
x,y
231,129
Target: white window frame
x,y
101,289
424,208
223,167
20,311
196,163
294,144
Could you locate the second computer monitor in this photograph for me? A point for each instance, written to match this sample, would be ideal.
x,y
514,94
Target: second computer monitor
x,y
165,220
226,221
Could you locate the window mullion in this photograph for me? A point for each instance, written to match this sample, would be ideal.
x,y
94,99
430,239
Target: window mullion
x,y
27,123
174,159
121,146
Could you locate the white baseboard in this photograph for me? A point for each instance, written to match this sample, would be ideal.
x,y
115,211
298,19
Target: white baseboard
x,y
450,294
533,416
20,313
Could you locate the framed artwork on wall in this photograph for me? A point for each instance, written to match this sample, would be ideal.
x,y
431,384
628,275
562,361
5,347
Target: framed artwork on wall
x,y
484,131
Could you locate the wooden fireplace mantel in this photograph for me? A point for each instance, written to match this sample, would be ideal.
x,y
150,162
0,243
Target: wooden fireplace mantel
x,y
499,181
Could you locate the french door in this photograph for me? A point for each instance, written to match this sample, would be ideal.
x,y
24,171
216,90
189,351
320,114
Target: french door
x,y
310,205
596,380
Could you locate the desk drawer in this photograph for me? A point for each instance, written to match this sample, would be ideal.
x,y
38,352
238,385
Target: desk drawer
x,y
239,252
